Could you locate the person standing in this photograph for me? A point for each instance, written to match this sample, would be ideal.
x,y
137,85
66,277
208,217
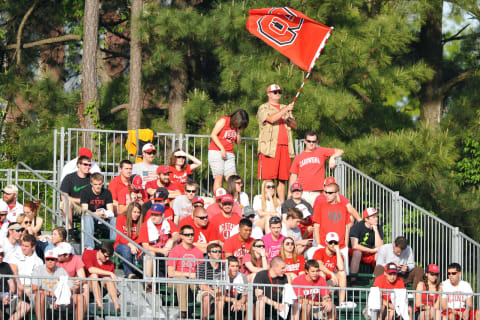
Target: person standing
x,y
146,169
275,142
220,151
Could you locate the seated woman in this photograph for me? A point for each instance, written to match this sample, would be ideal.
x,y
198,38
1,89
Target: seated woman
x,y
30,209
266,205
180,169
129,225
294,264
255,261
427,306
59,234
234,187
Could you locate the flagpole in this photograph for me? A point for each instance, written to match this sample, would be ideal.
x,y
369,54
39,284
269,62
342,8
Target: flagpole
x,y
314,60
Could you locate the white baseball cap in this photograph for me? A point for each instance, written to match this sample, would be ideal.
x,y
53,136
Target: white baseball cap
x,y
219,193
51,254
273,87
332,236
148,148
64,248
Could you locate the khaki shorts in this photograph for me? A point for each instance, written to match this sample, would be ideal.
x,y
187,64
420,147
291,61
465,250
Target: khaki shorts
x,y
77,209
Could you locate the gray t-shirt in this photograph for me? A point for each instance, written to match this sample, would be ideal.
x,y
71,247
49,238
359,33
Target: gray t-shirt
x,y
182,207
48,284
147,172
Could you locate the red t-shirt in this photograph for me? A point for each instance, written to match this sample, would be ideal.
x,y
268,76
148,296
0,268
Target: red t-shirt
x,y
201,235
72,266
224,225
122,226
164,233
167,215
125,197
282,129
295,267
309,293
227,137
214,209
329,261
382,283
154,185
332,218
89,258
310,168
236,247
180,177
322,199
115,186
183,265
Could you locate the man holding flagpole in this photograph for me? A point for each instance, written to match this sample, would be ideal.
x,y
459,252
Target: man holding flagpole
x,y
275,143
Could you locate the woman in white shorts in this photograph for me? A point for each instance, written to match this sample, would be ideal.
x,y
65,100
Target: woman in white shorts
x,y
220,152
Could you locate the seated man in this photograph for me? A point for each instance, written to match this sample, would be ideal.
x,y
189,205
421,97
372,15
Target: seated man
x,y
388,280
234,303
98,201
98,265
43,287
316,300
457,301
239,244
331,264
210,270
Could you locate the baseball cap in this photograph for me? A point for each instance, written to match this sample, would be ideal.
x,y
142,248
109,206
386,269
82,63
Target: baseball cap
x,y
328,181
304,209
15,226
197,200
247,211
51,254
296,187
85,152
157,208
227,198
369,212
3,206
163,169
433,268
332,236
160,194
220,193
273,87
148,148
10,189
136,181
391,268
64,248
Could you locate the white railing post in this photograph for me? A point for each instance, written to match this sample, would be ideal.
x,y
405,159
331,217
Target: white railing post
x,y
339,174
397,215
250,301
9,176
456,252
180,142
62,153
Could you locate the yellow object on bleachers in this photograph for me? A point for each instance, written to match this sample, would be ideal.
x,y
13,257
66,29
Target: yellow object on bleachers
x,y
136,140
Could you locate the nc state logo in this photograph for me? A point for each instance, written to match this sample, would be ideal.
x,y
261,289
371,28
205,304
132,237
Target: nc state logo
x,y
282,30
334,216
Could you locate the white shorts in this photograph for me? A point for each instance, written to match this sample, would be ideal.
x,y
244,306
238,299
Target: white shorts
x,y
219,166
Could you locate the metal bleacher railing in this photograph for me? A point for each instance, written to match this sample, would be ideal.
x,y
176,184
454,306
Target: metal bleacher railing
x,y
432,239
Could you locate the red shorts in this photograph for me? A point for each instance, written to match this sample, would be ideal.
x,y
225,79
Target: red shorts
x,y
457,317
367,257
275,168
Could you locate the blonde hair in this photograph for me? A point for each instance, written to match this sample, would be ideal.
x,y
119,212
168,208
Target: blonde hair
x,y
276,202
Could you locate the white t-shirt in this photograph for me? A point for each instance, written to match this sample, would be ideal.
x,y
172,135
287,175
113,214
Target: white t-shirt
x,y
71,167
257,205
14,212
294,233
147,172
26,265
10,250
244,201
182,207
456,301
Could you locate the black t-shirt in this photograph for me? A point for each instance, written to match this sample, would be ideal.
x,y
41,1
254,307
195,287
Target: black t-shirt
x,y
365,236
95,201
289,203
73,185
5,270
275,293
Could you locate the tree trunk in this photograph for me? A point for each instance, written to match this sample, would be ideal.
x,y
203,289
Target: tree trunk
x,y
178,93
89,63
431,50
135,106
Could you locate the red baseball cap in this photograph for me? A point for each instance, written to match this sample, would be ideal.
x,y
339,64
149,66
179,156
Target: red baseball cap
x,y
433,268
227,198
85,152
296,187
328,181
391,268
369,212
197,200
163,169
136,181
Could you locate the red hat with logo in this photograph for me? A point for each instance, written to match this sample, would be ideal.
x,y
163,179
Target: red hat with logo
x,y
433,268
369,212
163,169
296,187
227,198
273,87
197,200
391,268
328,181
136,181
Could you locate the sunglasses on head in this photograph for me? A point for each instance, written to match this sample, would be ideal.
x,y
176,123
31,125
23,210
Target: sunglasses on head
x,y
276,91
275,220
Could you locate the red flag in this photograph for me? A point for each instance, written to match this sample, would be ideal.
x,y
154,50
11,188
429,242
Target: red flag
x,y
290,32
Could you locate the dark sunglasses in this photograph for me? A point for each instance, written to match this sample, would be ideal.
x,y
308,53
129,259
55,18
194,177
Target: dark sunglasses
x,y
452,273
106,255
202,217
20,230
239,182
3,215
310,141
270,187
50,259
289,243
86,164
197,205
333,242
330,192
188,234
250,216
151,152
190,191
216,251
259,246
27,222
276,91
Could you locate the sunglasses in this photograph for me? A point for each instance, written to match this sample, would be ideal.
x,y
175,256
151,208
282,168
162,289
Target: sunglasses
x,y
289,243
3,215
270,187
106,255
27,222
202,217
259,246
151,152
276,91
333,242
252,216
86,164
216,251
50,259
20,230
190,191
239,183
330,192
310,141
275,220
452,273
188,234
197,205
